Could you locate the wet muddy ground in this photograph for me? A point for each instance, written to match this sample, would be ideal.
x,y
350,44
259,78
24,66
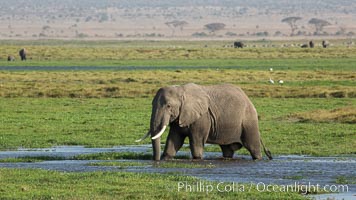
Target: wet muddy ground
x,y
282,170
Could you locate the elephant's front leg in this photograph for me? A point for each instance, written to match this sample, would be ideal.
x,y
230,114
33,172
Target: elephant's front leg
x,y
174,142
197,138
196,148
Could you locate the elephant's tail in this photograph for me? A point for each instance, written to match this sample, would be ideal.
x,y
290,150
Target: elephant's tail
x,y
267,152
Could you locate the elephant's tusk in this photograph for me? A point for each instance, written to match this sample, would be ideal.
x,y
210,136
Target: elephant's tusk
x,y
144,137
160,133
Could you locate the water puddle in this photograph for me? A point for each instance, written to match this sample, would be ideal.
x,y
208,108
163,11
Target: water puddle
x,y
282,170
70,151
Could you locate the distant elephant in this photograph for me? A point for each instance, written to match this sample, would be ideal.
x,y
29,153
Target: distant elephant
x,y
10,58
325,43
304,46
23,53
219,114
311,44
239,45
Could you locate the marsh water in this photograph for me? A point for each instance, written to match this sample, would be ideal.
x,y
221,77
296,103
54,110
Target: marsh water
x,y
282,170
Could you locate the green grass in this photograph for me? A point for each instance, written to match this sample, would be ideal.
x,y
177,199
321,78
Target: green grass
x,y
345,180
177,53
235,63
121,165
46,122
42,184
49,122
31,159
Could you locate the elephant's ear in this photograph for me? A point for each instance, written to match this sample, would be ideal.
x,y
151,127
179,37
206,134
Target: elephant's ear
x,y
195,103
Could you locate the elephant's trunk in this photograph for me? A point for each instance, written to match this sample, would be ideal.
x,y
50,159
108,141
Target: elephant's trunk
x,y
156,145
159,123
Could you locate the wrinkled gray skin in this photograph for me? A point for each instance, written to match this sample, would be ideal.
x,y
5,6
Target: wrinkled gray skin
x,y
220,114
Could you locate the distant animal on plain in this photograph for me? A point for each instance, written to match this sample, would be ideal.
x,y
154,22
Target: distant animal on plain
x,y
325,43
239,45
23,54
311,44
11,58
304,46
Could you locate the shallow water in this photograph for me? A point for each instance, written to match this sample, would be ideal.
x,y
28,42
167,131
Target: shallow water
x,y
70,151
282,170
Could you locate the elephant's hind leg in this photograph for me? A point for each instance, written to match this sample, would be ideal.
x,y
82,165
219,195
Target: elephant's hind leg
x,y
229,150
251,140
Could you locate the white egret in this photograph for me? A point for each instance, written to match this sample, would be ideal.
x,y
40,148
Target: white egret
x,y
271,81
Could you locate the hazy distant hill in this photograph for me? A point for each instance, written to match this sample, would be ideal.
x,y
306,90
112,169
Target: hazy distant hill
x,y
178,19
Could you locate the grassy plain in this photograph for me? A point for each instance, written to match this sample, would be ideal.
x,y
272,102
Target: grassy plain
x,y
139,83
41,184
312,113
259,54
98,122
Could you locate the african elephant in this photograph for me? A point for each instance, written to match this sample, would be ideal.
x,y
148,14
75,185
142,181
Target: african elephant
x,y
23,53
218,114
238,45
